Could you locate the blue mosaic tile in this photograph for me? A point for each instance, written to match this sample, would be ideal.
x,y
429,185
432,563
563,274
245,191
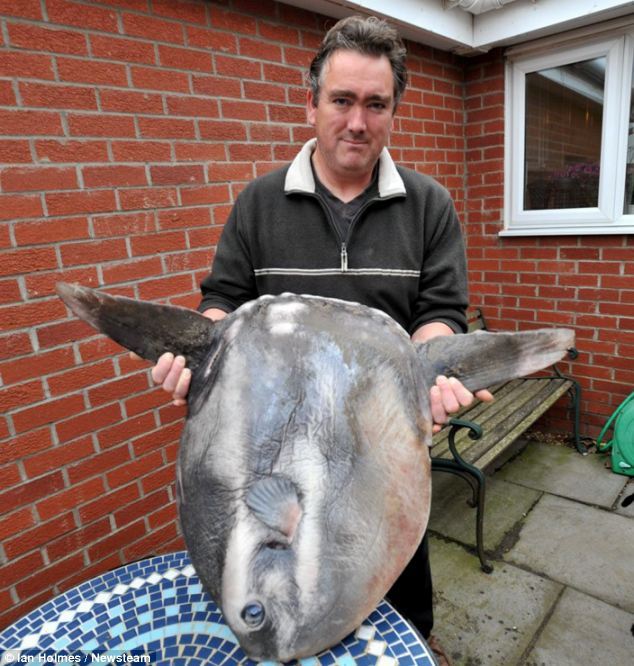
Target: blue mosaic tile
x,y
156,609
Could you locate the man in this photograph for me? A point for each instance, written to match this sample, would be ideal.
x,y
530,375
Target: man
x,y
343,221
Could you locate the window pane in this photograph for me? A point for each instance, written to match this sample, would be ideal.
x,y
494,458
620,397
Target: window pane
x,y
629,167
564,118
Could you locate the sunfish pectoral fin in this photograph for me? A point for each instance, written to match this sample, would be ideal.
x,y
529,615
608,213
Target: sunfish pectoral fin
x,y
274,501
148,329
480,360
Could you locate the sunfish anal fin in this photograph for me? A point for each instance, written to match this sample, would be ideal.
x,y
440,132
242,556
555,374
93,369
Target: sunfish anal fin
x,y
274,501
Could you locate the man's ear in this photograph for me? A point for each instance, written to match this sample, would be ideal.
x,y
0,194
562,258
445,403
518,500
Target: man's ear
x,y
311,109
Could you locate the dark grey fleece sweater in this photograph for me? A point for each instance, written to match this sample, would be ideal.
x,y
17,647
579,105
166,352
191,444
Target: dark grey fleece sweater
x,y
403,253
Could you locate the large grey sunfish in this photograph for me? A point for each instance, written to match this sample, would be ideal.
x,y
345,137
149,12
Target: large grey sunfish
x,y
304,473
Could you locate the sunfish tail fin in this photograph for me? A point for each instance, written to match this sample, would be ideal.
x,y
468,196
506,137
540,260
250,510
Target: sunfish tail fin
x,y
148,329
481,360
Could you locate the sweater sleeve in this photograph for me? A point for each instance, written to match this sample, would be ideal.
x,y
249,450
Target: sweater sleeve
x,y
231,281
443,292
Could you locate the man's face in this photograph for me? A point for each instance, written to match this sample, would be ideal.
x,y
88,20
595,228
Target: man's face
x,y
354,116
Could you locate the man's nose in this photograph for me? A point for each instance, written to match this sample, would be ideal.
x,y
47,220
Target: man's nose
x,y
357,119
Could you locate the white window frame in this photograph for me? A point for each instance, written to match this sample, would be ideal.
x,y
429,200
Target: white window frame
x,y
616,43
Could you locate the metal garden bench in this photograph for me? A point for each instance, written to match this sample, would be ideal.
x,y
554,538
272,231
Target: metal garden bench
x,y
481,433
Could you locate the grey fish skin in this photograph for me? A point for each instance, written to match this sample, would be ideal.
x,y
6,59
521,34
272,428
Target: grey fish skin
x,y
303,475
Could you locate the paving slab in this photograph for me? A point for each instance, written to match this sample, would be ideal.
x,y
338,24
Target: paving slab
x,y
563,471
505,505
486,618
584,630
581,546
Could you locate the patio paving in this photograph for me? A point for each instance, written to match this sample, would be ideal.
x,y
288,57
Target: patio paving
x,y
562,546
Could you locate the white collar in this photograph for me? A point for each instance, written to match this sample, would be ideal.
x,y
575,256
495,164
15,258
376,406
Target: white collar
x,y
299,177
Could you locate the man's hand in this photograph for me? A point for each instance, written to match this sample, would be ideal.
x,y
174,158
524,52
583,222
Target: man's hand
x,y
447,395
170,371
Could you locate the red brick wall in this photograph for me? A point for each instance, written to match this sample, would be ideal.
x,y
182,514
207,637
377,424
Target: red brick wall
x,y
127,129
583,282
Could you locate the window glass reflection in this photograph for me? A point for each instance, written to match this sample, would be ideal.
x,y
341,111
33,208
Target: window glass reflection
x,y
564,119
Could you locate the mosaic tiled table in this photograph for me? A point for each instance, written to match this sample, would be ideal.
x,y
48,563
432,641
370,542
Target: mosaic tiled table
x,y
156,612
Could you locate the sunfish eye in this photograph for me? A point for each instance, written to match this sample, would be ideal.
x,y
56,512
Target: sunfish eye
x,y
253,614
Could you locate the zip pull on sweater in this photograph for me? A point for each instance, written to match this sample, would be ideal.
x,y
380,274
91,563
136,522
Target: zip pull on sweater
x,y
344,258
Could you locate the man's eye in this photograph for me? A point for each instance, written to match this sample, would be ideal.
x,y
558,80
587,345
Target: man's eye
x,y
378,106
341,101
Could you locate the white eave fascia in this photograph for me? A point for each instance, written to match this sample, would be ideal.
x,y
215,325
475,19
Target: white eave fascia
x,y
435,23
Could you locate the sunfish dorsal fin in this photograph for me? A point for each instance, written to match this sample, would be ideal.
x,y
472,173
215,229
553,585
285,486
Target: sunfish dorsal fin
x,y
274,501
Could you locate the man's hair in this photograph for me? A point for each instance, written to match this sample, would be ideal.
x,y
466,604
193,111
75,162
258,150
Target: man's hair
x,y
369,36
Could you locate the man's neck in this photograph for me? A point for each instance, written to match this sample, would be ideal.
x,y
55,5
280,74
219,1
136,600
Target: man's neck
x,y
345,189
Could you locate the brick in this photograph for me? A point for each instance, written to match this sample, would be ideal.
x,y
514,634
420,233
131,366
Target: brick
x,y
141,508
73,151
87,572
216,86
158,243
118,389
135,469
183,217
16,522
89,125
160,79
186,10
79,70
74,13
69,499
130,101
100,347
14,151
266,92
7,94
10,291
27,260
167,128
16,570
199,151
21,369
38,38
76,540
153,28
25,179
74,254
80,377
150,197
243,68
163,437
114,176
230,171
47,412
132,270
72,203
34,583
185,58
165,287
43,284
187,261
107,503
31,9
151,543
30,491
20,395
126,430
99,463
51,231
198,107
204,194
25,123
88,422
232,21
222,130
38,536
25,445
214,40
126,50
141,151
116,541
166,514
26,65
179,174
145,401
242,110
281,74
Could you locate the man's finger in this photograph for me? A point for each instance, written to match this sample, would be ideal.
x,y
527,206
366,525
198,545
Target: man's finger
x,y
162,367
438,413
463,395
182,387
449,400
484,395
173,376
